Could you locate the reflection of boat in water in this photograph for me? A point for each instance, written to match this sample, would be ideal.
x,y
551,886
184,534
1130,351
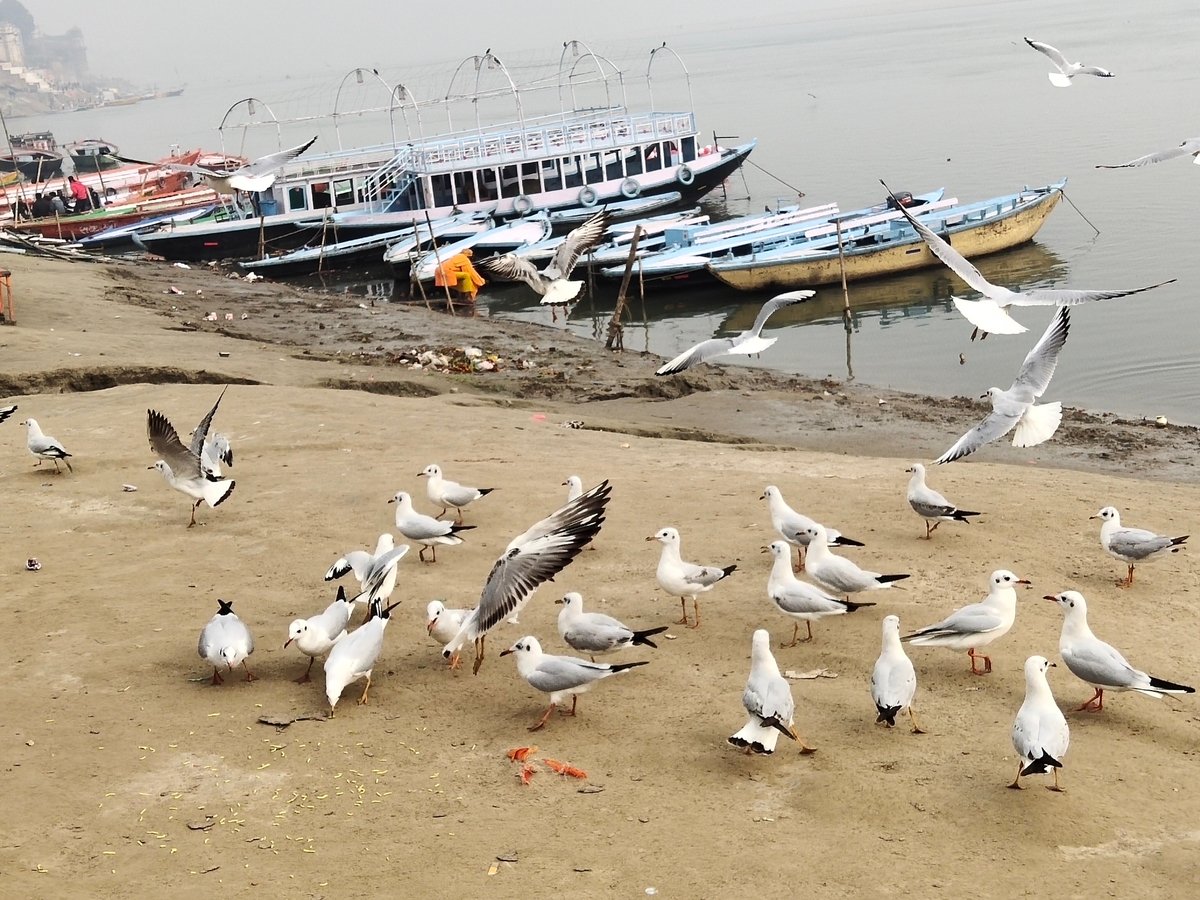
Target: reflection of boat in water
x,y
92,155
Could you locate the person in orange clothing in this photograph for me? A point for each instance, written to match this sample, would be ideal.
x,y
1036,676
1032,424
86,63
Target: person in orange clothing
x,y
458,273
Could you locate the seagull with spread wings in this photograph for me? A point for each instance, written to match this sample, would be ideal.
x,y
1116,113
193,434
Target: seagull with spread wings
x,y
552,282
258,175
183,467
1190,147
1066,69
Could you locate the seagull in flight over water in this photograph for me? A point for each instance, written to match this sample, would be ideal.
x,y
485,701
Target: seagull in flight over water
x,y
743,344
1190,147
990,315
258,175
1066,69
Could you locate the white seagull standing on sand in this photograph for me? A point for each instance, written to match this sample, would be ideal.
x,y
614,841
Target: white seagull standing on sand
x,y
840,575
977,624
424,529
530,559
893,680
1190,147
551,283
799,599
744,344
796,528
182,466
559,676
595,633
355,655
1099,664
42,446
990,315
1066,69
316,635
225,641
1015,408
768,701
446,493
1132,545
930,505
443,624
258,175
684,579
1039,733
574,486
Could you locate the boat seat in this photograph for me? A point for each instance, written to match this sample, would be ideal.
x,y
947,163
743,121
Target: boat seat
x,y
7,315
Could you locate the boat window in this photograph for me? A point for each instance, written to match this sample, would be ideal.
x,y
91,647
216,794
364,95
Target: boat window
x,y
595,172
689,148
510,185
487,185
654,158
464,187
343,192
530,182
297,198
552,175
612,165
320,195
442,194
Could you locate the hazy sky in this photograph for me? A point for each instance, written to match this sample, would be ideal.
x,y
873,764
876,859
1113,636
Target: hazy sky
x,y
165,42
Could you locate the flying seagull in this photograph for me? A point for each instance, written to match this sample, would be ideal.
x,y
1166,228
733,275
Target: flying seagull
x,y
1190,147
990,315
1066,69
744,344
182,466
551,283
258,175
1015,407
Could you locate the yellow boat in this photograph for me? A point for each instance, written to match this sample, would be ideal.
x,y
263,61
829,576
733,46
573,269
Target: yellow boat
x,y
8,179
892,247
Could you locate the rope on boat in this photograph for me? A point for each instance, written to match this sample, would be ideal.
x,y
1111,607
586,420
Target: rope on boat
x,y
1081,215
791,187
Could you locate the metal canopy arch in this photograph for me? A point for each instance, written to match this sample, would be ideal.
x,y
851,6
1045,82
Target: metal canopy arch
x,y
359,74
579,52
686,74
251,104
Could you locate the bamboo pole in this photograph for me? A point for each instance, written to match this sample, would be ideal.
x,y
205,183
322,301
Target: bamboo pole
x,y
616,333
437,259
842,266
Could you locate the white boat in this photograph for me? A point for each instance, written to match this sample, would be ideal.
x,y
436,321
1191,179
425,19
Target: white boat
x,y
501,239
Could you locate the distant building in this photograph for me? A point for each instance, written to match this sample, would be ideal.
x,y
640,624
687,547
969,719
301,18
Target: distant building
x,y
12,48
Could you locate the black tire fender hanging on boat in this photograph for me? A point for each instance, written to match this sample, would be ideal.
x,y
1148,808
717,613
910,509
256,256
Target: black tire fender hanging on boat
x,y
522,205
630,188
588,196
685,175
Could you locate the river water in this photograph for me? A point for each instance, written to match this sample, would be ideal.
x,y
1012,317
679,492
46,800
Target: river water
x,y
923,94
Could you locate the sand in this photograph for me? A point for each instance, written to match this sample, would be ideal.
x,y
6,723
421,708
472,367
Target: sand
x,y
128,774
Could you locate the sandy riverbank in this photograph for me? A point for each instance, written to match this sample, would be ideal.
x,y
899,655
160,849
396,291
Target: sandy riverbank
x,y
117,744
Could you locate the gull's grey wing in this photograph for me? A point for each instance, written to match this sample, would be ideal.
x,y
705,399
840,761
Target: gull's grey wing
x,y
424,527
356,561
577,243
1094,70
893,682
704,575
702,352
459,494
164,441
929,503
379,571
596,637
265,165
513,268
1039,365
1137,543
538,555
774,305
973,619
1058,297
561,673
1099,663
201,432
1055,55
769,696
996,425
955,261
1190,147
207,640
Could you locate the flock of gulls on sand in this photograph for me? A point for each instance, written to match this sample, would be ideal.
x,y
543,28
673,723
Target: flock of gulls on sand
x,y
1040,733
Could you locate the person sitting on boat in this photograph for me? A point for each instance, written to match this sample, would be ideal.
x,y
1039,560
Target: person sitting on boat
x,y
458,273
79,192
57,206
42,207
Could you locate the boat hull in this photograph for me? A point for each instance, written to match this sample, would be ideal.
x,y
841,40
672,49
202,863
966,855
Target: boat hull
x,y
971,240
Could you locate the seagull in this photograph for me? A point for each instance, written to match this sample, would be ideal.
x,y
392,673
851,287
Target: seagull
x,y
1132,545
42,446
445,493
684,579
360,562
743,344
559,676
930,505
768,700
893,680
317,635
225,641
1190,147
182,467
424,529
1066,70
258,175
551,283
6,411
799,599
1099,664
354,656
213,449
990,315
535,556
595,633
574,486
977,624
795,528
443,624
834,573
1015,408
1039,734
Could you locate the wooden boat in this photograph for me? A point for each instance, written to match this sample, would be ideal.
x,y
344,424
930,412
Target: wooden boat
x,y
35,166
92,155
892,246
75,227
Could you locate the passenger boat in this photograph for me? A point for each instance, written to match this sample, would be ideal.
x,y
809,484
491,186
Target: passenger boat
x,y
581,157
892,246
93,155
